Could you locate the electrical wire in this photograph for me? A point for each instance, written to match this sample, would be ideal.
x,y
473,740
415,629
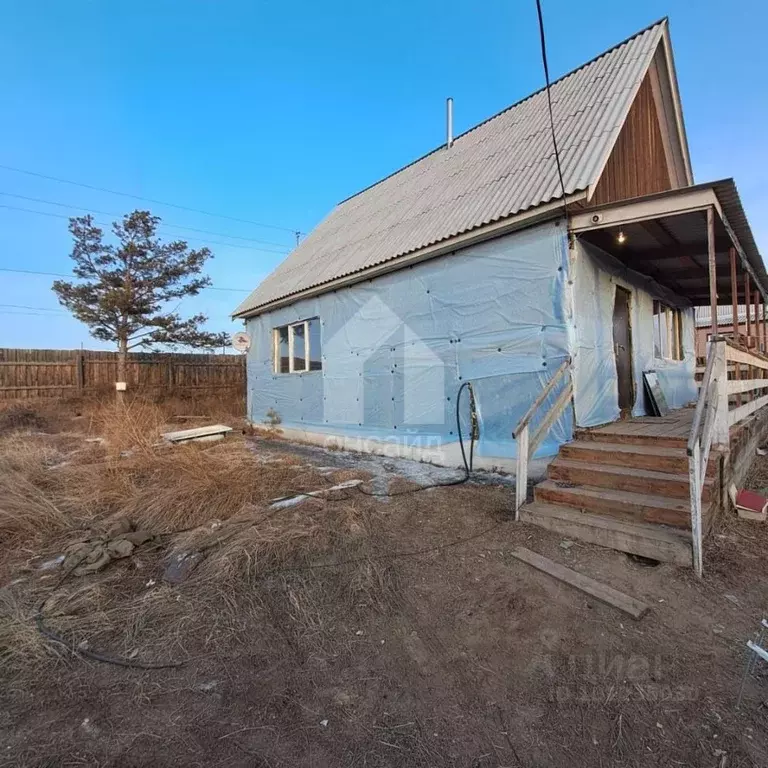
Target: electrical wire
x,y
543,41
138,664
23,306
45,631
292,230
392,555
59,274
468,465
107,224
163,223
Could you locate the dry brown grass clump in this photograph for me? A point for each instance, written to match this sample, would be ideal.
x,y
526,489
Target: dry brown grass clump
x,y
133,426
291,571
20,416
28,510
21,645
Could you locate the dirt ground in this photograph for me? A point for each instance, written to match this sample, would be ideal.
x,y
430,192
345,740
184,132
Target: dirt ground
x,y
354,630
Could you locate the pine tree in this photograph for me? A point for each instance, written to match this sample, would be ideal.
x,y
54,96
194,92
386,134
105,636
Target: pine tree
x,y
125,289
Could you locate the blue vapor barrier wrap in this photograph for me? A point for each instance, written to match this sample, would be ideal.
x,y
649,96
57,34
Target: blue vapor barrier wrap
x,y
595,277
395,350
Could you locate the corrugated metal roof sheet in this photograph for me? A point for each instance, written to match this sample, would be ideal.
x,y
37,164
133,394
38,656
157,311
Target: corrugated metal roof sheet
x,y
733,210
703,315
501,167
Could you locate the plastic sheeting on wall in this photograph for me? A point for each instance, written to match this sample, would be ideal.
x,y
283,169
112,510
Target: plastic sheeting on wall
x,y
395,350
595,277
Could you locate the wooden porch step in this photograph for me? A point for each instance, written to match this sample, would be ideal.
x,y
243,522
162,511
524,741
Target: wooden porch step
x,y
623,505
655,541
645,481
657,458
629,437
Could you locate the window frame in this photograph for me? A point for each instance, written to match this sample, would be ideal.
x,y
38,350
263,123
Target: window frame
x,y
670,345
276,357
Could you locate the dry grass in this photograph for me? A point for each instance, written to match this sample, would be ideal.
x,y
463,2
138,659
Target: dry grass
x,y
134,426
215,498
20,416
21,646
28,510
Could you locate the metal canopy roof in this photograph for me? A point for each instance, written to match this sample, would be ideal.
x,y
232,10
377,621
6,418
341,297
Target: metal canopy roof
x,y
500,168
665,236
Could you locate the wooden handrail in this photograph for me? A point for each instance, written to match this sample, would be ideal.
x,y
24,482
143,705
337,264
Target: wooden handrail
x,y
710,425
704,393
536,404
525,446
748,350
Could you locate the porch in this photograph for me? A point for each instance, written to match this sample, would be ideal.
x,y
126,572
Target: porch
x,y
653,486
672,429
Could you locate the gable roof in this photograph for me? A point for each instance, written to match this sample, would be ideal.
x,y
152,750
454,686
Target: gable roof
x,y
501,167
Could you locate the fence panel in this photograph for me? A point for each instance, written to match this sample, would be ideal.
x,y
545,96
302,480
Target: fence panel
x,y
31,373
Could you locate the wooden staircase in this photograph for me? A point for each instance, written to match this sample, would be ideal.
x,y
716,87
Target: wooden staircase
x,y
625,489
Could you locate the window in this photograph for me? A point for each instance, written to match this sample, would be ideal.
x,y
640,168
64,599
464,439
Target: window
x,y
667,332
297,347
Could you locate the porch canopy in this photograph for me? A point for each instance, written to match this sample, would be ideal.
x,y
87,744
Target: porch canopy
x,y
696,241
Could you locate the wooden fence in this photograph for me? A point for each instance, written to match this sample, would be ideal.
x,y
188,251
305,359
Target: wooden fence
x,y
28,373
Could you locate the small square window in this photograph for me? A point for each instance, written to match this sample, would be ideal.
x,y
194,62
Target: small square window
x,y
297,347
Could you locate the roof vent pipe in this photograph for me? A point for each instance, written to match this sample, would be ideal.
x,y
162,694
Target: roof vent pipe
x,y
449,122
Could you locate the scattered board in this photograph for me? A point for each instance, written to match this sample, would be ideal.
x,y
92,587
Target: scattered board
x,y
214,432
635,608
655,394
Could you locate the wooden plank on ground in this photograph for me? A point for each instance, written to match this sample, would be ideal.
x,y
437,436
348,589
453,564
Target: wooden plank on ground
x,y
215,431
635,608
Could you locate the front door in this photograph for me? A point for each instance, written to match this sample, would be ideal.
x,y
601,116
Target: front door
x,y
622,349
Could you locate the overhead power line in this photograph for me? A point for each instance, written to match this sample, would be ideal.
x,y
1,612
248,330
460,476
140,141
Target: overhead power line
x,y
544,61
119,215
13,312
106,224
21,306
292,230
60,274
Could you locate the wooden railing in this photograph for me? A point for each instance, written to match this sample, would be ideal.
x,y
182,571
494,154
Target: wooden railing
x,y
749,388
725,399
527,445
705,423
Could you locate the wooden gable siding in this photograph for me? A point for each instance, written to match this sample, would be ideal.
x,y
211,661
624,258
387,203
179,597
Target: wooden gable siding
x,y
638,164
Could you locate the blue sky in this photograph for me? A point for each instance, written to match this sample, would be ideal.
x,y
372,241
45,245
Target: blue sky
x,y
272,112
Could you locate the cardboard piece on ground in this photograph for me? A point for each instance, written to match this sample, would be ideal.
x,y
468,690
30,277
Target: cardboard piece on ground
x,y
214,432
655,394
635,608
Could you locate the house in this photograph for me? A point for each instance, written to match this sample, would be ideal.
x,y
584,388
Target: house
x,y
746,320
474,266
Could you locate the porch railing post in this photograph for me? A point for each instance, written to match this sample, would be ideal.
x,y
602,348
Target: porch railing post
x,y
521,479
720,374
694,469
712,259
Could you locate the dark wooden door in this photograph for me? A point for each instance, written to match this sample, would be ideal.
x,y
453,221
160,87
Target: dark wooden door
x,y
622,348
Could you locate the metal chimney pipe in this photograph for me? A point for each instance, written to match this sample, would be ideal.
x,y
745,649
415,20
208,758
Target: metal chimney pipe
x,y
449,122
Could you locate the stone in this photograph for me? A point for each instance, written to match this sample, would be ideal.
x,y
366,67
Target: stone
x,y
181,566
